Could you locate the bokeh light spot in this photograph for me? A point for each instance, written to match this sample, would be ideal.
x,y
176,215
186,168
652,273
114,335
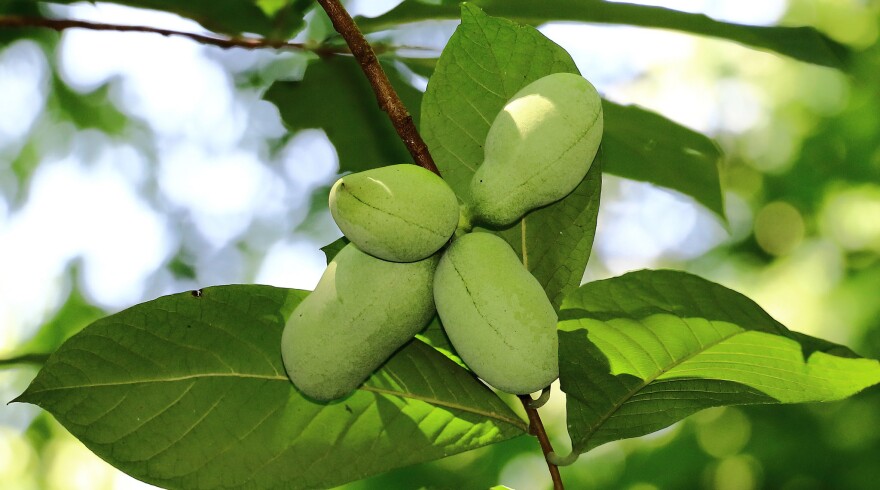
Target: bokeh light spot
x,y
779,228
851,217
723,431
737,473
23,80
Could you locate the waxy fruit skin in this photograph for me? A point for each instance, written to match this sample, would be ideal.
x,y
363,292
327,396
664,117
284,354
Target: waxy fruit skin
x,y
496,314
538,149
400,213
362,310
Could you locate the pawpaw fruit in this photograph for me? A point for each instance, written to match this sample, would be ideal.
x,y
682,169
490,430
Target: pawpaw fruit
x,y
362,310
496,314
538,149
401,213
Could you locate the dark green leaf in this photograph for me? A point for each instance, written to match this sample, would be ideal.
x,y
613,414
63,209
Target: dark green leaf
x,y
27,8
188,391
331,249
336,97
644,350
555,241
643,145
486,61
801,43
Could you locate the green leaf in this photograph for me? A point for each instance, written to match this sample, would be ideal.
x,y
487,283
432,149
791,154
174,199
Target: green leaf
x,y
335,96
232,16
189,391
486,61
331,249
643,145
801,43
435,336
644,350
26,8
555,241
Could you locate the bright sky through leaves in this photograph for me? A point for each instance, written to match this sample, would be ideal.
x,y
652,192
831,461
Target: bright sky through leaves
x,y
211,134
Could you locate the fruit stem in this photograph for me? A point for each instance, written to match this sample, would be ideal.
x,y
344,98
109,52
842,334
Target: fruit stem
x,y
465,220
536,428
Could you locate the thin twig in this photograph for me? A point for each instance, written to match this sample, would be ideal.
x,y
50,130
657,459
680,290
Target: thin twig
x,y
226,43
38,359
536,428
385,93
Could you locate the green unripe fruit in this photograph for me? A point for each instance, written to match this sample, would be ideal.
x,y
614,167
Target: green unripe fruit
x,y
401,213
362,310
496,314
538,149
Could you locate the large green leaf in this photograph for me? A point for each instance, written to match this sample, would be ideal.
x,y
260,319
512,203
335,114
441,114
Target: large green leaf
x,y
644,350
801,43
274,19
486,61
189,391
644,145
335,96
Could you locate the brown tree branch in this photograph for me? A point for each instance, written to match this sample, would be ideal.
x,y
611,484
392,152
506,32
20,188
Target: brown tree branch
x,y
225,43
385,93
536,428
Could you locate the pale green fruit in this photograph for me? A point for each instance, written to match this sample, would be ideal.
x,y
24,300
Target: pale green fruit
x,y
496,314
538,149
362,310
401,213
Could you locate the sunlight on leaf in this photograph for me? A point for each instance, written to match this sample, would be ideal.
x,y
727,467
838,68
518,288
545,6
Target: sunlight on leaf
x,y
644,350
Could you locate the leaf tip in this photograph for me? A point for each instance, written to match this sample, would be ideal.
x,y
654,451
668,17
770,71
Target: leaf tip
x,y
470,11
22,398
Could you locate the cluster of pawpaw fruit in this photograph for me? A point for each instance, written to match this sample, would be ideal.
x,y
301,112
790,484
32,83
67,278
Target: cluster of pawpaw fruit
x,y
399,268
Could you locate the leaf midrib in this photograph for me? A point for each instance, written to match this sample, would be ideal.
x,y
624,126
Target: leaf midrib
x,y
432,401
615,407
514,422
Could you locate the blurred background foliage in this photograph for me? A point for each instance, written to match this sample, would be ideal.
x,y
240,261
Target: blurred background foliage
x,y
134,165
